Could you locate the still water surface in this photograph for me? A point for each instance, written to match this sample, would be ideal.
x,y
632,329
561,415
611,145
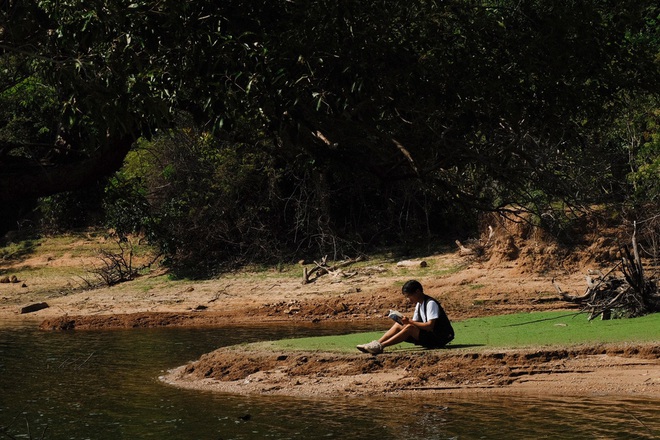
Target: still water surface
x,y
104,385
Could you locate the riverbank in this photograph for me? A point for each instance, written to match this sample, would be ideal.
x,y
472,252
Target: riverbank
x,y
620,369
467,287
62,280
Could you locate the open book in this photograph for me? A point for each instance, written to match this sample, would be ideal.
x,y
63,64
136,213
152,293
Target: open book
x,y
396,316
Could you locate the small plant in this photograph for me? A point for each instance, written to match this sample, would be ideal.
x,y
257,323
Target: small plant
x,y
118,267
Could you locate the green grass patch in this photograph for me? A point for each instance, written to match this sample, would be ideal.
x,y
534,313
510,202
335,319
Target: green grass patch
x,y
508,331
435,267
553,328
147,284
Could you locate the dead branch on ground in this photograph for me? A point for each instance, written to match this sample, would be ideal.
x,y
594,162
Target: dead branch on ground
x,y
322,268
475,248
630,295
118,267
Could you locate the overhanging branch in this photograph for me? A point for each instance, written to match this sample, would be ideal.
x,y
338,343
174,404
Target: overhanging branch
x,y
32,181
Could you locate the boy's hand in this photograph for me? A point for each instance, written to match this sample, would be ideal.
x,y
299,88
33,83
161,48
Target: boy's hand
x,y
405,320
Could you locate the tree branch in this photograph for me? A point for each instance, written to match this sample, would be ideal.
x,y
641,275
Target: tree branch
x,y
32,181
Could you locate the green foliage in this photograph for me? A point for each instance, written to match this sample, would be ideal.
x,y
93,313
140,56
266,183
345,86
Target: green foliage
x,y
126,205
495,104
331,126
100,55
70,210
204,202
126,209
645,158
27,113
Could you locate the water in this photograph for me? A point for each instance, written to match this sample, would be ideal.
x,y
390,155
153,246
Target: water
x,y
104,385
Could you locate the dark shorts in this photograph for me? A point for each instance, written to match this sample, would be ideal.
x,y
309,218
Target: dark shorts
x,y
431,340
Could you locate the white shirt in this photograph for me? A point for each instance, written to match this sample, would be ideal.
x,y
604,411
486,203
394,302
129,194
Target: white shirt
x,y
432,311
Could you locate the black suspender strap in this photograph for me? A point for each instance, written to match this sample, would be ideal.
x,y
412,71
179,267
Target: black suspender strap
x,y
423,306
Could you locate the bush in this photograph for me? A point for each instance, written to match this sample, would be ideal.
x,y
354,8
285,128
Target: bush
x,y
71,210
205,204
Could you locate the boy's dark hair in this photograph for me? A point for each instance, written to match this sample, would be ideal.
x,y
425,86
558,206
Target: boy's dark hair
x,y
411,287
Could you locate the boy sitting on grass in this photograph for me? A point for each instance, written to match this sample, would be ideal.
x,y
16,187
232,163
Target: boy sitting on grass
x,y
429,326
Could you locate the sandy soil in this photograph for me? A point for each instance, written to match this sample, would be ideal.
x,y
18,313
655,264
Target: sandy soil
x,y
467,287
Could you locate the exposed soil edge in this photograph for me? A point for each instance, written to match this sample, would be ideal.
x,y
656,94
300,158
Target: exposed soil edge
x,y
620,369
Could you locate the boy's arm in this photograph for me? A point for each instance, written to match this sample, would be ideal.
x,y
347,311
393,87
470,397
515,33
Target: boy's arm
x,y
427,326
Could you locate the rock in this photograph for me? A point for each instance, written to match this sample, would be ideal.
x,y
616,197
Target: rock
x,y
411,263
9,279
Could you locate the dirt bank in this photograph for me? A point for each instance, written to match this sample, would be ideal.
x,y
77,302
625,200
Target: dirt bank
x,y
465,288
519,274
616,369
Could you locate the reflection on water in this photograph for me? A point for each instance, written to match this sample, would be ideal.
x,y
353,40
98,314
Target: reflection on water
x,y
103,385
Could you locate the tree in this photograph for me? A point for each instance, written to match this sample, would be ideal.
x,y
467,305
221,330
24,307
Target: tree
x,y
387,115
111,75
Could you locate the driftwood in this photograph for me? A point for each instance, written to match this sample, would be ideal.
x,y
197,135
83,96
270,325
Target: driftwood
x,y
322,268
632,294
33,307
462,250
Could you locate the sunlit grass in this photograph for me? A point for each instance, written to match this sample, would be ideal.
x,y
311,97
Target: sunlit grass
x,y
382,264
539,329
147,284
72,245
13,251
69,260
73,261
86,245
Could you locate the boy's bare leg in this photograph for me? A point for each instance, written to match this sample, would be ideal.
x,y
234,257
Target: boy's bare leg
x,y
396,328
397,335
